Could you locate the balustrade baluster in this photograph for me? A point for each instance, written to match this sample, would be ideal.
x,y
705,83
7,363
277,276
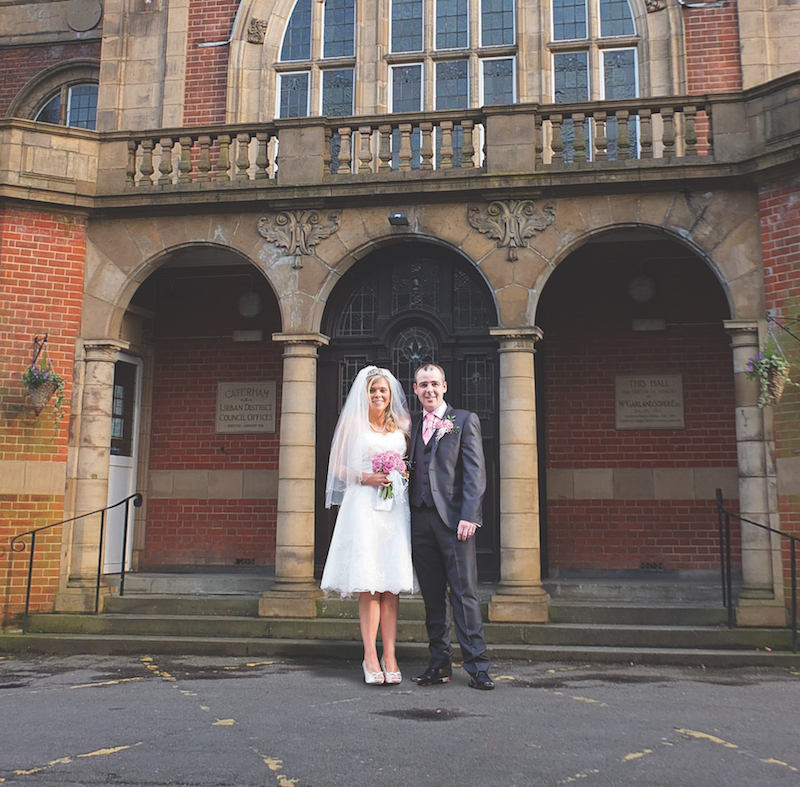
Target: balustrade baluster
x,y
385,149
327,152
243,155
345,154
426,148
557,143
467,148
365,149
405,147
130,168
224,159
446,151
204,160
690,131
538,139
668,137
262,161
579,144
146,169
165,165
185,160
623,139
600,138
646,133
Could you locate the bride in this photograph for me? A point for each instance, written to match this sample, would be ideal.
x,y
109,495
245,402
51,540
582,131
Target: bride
x,y
370,552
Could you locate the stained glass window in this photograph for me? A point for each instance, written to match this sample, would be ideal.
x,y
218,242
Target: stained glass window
x,y
361,310
619,81
406,25
349,367
477,384
297,39
452,24
294,95
339,28
470,312
571,79
415,285
337,92
498,81
569,19
497,22
411,348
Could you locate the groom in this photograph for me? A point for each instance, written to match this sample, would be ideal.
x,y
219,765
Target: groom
x,y
446,494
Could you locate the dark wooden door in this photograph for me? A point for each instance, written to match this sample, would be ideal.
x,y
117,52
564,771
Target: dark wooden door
x,y
398,308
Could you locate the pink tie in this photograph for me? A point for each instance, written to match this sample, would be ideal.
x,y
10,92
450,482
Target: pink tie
x,y
427,429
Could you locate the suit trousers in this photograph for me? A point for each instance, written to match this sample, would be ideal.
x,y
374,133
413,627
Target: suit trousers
x,y
440,559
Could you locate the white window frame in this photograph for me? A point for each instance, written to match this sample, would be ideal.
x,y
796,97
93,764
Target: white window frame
x,y
588,24
322,85
436,27
279,91
436,81
419,63
483,60
602,67
481,45
391,36
322,34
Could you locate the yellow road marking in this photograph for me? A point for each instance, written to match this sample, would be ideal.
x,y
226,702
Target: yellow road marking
x,y
773,761
706,737
224,723
105,683
637,755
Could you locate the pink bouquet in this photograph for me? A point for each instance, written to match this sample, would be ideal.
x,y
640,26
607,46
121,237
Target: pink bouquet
x,y
388,462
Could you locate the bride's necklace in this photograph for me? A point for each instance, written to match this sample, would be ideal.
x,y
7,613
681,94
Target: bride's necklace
x,y
382,430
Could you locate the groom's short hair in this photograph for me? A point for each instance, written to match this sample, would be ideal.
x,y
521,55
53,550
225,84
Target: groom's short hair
x,y
424,368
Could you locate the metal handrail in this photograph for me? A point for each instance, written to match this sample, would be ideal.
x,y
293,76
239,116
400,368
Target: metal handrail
x,y
724,522
17,545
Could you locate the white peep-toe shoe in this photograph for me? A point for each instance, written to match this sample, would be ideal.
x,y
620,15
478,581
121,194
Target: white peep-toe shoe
x,y
392,678
372,678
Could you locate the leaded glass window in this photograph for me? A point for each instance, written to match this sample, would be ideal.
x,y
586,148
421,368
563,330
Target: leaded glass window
x,y
415,285
406,26
477,384
497,22
470,312
571,80
407,88
616,18
349,367
294,95
411,348
80,110
498,81
452,90
337,92
339,28
569,19
361,310
51,111
452,24
297,39
619,81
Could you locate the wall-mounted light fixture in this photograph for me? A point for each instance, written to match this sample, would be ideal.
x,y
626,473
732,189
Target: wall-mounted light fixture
x,y
641,288
398,218
250,304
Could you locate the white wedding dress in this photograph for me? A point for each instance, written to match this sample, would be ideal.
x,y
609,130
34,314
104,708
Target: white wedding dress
x,y
371,550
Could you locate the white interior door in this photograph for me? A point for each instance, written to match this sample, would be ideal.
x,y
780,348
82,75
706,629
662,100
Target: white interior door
x,y
125,414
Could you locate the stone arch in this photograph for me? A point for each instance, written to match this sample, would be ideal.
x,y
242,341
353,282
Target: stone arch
x,y
41,87
720,228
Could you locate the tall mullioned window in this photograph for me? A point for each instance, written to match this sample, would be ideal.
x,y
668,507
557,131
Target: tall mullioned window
x,y
594,51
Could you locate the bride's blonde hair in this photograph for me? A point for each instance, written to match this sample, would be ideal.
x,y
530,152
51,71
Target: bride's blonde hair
x,y
389,416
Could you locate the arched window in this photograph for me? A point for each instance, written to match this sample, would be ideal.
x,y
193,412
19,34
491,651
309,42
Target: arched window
x,y
72,105
318,66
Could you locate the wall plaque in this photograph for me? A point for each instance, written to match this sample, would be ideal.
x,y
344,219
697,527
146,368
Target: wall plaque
x,y
246,408
649,401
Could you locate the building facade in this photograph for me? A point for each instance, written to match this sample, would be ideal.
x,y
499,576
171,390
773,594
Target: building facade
x,y
216,212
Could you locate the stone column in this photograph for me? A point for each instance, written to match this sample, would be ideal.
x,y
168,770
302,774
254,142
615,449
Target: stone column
x,y
294,593
757,604
91,481
520,597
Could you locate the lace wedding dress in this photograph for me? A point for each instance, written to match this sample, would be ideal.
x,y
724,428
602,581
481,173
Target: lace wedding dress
x,y
371,550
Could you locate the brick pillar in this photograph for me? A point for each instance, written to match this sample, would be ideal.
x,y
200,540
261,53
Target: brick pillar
x,y
520,597
91,482
757,604
294,592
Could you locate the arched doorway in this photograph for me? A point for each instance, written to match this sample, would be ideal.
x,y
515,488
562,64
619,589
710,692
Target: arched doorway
x,y
636,411
397,308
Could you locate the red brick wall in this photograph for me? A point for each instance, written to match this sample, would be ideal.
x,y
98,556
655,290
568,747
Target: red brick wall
x,y
780,243
207,67
18,65
41,284
586,315
713,61
202,303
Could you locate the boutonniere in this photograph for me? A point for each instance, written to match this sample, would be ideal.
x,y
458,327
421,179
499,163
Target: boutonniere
x,y
444,426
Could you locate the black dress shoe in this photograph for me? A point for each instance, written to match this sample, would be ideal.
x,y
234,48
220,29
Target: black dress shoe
x,y
481,680
434,675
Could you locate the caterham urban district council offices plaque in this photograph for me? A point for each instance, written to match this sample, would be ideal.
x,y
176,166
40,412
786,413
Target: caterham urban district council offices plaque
x,y
246,408
649,401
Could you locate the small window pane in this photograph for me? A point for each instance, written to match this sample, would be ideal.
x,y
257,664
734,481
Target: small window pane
x,y
571,73
294,95
406,25
616,18
51,111
569,19
339,35
452,24
297,39
407,88
497,22
82,111
337,92
451,85
498,82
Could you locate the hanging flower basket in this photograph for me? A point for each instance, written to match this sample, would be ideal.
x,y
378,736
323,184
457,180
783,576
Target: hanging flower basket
x,y
41,395
771,368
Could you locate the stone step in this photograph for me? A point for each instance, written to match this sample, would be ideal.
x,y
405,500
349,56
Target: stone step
x,y
323,629
641,614
73,644
203,583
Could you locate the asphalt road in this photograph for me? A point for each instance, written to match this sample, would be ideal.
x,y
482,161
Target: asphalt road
x,y
89,720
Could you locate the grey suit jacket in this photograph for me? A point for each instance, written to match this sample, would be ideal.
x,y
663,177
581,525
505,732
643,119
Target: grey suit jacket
x,y
457,470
